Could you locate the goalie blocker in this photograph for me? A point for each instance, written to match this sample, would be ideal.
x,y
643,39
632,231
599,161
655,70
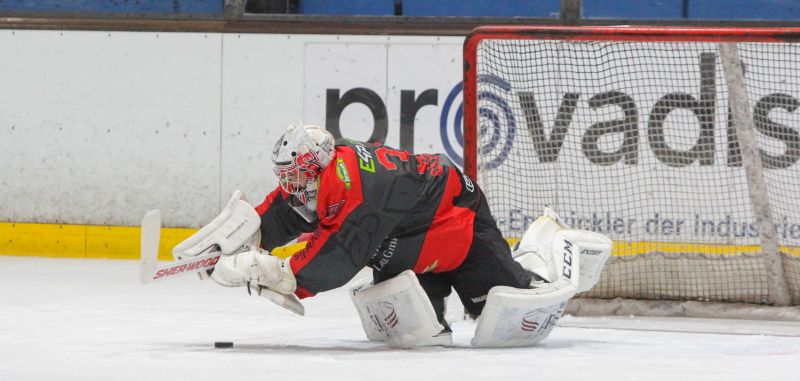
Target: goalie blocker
x,y
235,234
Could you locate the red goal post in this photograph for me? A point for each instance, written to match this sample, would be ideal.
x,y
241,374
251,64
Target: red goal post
x,y
655,132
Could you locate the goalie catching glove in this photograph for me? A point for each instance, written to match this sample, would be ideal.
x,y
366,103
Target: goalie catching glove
x,y
255,268
263,273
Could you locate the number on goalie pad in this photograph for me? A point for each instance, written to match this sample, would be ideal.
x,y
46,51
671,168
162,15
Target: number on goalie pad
x,y
235,229
396,311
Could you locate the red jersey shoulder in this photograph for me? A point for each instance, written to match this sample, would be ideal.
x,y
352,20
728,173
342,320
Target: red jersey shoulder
x,y
339,184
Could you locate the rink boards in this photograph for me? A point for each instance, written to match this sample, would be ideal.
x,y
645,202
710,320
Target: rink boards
x,y
122,242
112,130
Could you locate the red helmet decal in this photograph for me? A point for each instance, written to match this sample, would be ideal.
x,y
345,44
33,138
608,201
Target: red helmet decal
x,y
309,163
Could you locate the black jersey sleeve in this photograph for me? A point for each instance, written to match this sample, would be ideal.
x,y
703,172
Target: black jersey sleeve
x,y
280,223
338,251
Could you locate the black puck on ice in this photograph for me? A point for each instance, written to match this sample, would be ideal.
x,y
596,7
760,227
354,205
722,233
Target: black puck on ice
x,y
223,344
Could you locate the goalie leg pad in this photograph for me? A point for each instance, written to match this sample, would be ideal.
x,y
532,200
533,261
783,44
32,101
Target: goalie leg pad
x,y
396,311
371,329
521,317
537,251
542,250
593,248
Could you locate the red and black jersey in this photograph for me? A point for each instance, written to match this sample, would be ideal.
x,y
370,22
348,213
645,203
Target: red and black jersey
x,y
367,195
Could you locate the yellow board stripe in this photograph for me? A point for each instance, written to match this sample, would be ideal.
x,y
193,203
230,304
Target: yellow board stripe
x,y
626,248
636,248
123,242
89,241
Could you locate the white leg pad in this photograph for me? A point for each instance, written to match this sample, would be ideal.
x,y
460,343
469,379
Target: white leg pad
x,y
516,317
371,329
594,249
540,250
537,251
396,311
523,317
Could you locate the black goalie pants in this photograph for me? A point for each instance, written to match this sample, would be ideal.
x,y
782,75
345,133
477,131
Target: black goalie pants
x,y
487,264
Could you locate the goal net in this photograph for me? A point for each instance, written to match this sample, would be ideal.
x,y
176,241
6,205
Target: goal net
x,y
645,135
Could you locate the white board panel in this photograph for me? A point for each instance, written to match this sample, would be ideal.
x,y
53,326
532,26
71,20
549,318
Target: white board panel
x,y
99,127
272,80
262,92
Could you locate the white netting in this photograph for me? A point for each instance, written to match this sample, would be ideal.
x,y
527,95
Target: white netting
x,y
634,140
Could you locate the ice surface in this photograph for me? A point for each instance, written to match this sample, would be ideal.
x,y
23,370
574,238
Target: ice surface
x,y
69,319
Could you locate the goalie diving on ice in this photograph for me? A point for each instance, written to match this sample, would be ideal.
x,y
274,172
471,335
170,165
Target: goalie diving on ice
x,y
423,228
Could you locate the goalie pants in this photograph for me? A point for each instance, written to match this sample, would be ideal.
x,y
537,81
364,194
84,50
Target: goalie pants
x,y
488,263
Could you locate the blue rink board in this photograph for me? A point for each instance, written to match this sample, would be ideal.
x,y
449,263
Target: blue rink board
x,y
196,7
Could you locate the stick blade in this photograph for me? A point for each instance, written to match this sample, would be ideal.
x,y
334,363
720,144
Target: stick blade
x,y
151,234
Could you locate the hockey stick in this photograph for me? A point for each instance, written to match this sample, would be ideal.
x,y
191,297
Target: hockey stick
x,y
150,271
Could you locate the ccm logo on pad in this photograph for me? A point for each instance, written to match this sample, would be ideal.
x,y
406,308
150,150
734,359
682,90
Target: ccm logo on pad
x,y
567,259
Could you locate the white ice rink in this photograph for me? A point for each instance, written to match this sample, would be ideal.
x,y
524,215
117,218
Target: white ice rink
x,y
67,319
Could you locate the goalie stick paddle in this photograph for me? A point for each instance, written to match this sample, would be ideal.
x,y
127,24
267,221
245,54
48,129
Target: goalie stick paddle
x,y
151,234
150,271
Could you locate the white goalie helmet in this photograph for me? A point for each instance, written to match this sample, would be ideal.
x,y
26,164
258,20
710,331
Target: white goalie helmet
x,y
299,157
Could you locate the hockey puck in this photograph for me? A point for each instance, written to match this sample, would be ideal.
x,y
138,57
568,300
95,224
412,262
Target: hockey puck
x,y
223,344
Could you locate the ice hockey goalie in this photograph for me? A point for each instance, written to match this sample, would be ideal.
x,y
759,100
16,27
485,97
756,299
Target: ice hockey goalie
x,y
423,228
